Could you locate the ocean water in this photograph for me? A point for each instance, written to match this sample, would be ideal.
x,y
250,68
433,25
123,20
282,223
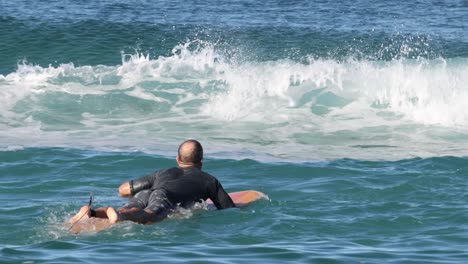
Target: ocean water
x,y
350,115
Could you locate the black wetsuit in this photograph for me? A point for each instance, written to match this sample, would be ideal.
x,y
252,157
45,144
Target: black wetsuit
x,y
164,190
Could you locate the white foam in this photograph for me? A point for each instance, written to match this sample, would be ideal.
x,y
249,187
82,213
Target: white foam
x,y
140,93
251,108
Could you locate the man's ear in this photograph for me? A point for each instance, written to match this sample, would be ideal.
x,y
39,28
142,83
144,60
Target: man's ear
x,y
177,159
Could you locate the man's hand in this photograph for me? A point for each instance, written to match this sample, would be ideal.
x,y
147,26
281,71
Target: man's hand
x,y
124,190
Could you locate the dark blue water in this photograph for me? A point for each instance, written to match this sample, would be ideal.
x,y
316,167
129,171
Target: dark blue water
x,y
90,33
350,116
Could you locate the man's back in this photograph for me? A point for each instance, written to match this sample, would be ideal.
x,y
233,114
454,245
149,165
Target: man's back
x,y
185,186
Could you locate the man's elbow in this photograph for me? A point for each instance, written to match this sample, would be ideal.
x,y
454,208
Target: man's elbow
x,y
221,207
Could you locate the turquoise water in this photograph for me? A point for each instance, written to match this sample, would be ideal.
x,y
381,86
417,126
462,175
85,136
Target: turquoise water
x,y
407,211
351,117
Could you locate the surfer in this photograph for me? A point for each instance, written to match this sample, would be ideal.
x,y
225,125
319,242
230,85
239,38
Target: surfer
x,y
154,196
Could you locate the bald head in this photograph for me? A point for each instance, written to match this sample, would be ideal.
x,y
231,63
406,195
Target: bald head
x,y
190,153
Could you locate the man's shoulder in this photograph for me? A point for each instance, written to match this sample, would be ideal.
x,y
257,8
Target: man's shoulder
x,y
197,171
208,176
170,170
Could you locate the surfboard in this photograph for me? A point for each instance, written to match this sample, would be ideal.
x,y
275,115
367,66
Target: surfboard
x,y
88,225
241,199
93,224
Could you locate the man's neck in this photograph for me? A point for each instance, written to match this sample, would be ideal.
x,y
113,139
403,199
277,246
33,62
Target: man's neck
x,y
188,166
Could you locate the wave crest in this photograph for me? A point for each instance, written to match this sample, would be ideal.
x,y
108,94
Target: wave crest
x,y
199,88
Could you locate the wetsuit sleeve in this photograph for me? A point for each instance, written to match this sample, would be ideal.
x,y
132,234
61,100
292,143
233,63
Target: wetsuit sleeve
x,y
143,183
219,196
